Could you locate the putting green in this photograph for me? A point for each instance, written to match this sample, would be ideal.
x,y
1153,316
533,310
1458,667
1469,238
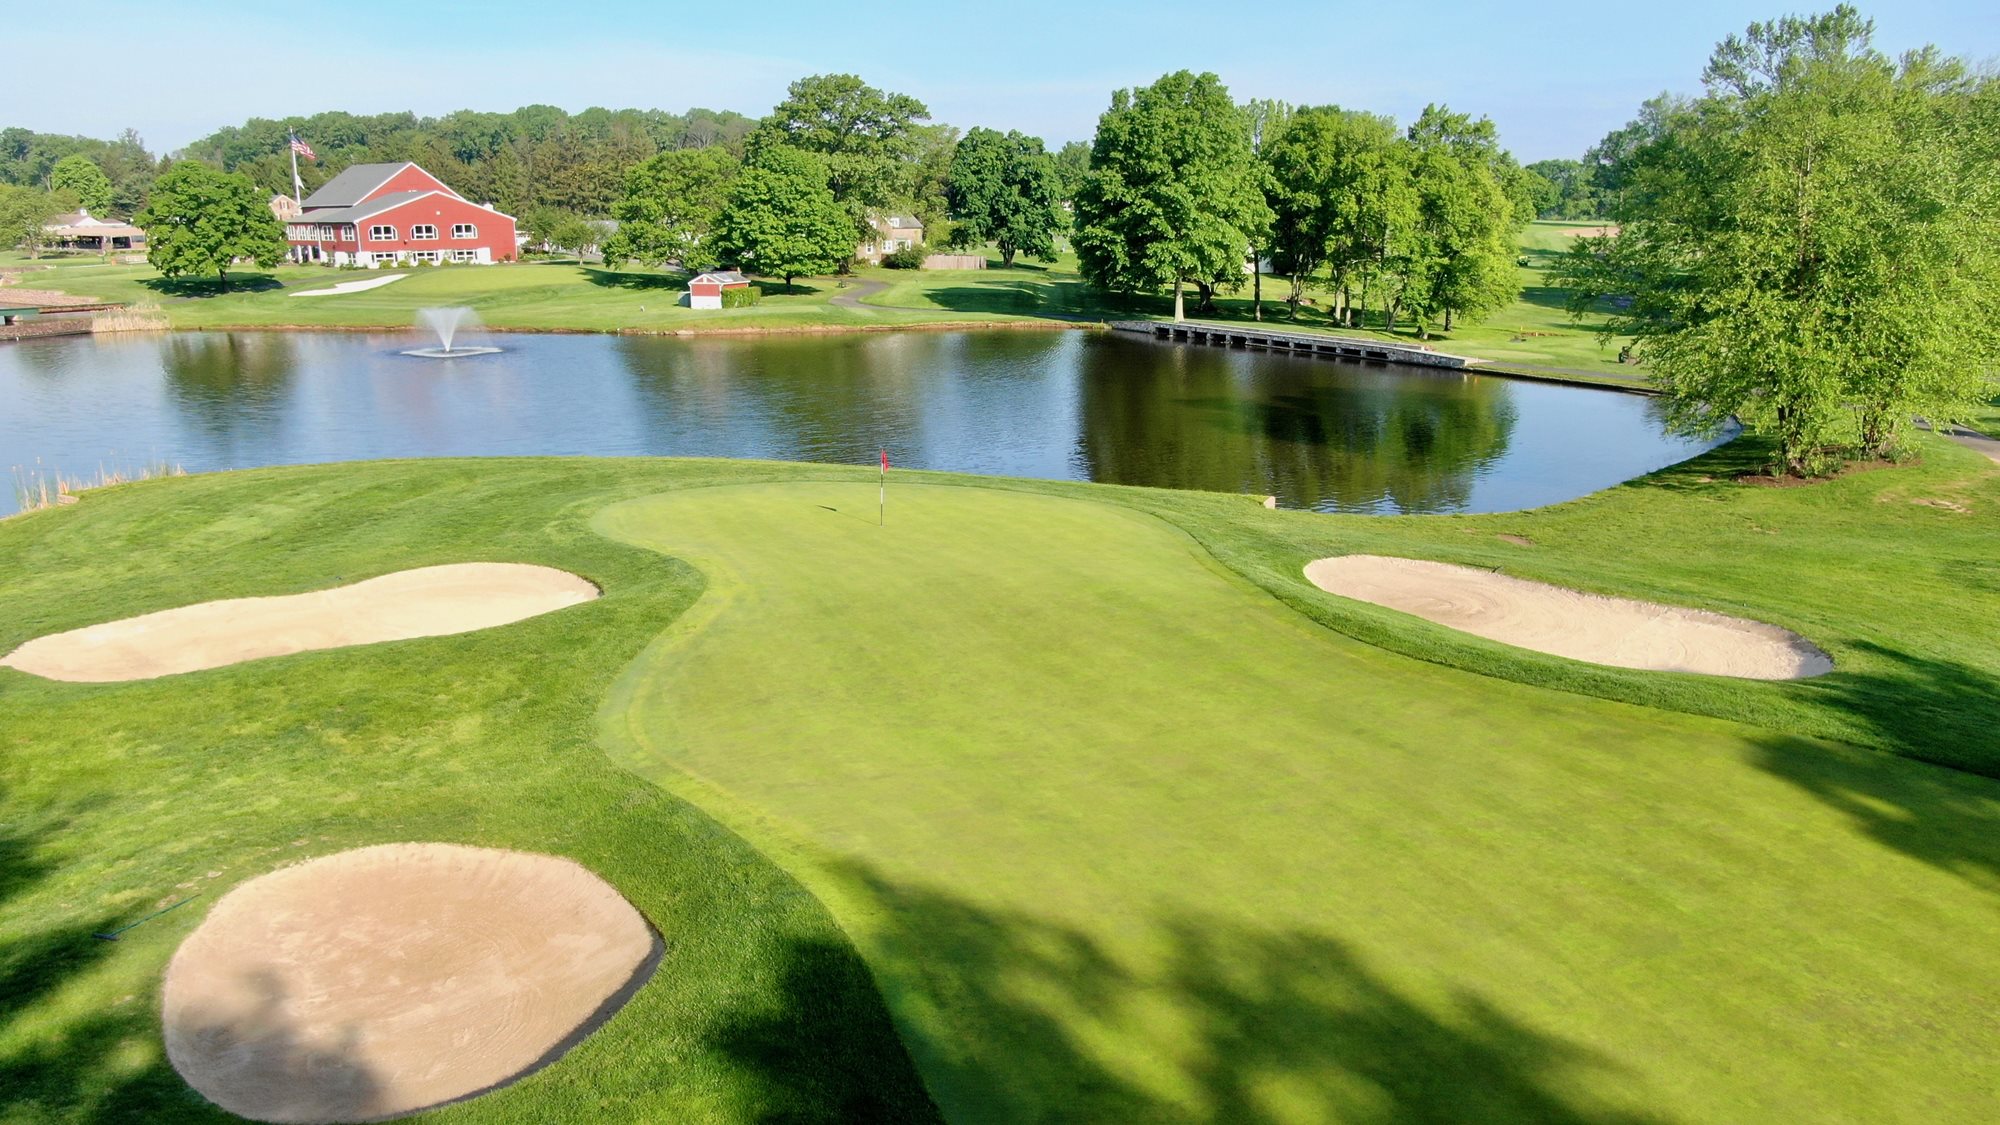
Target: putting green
x,y
1125,839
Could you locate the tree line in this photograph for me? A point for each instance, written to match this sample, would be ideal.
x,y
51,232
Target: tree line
x,y
1810,244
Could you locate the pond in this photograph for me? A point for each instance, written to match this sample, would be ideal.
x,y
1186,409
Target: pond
x,y
1319,434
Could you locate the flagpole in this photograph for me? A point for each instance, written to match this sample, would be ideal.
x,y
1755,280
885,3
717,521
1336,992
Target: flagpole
x,y
298,189
882,499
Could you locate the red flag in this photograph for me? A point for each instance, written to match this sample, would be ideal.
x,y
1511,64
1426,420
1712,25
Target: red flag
x,y
885,460
303,149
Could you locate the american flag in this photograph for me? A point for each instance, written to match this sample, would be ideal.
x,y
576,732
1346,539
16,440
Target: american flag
x,y
303,149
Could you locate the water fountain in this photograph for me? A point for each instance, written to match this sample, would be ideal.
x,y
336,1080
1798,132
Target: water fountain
x,y
447,322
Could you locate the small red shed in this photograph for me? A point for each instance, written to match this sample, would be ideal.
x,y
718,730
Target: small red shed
x,y
705,289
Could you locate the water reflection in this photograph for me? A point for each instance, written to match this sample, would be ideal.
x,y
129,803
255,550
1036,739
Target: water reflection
x,y
1317,434
1068,405
232,387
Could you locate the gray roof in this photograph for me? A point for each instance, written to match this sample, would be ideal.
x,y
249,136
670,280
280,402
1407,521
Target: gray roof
x,y
353,182
375,206
902,222
726,277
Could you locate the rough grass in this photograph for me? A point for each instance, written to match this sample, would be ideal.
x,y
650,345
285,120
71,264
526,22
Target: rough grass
x,y
1122,835
117,800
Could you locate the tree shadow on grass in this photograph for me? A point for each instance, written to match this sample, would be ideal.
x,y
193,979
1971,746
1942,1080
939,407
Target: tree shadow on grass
x,y
1935,710
84,1068
190,287
1942,817
1010,1016
1032,298
634,280
818,1055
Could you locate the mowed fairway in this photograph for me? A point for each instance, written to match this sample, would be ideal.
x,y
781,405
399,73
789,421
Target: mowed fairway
x,y
1125,839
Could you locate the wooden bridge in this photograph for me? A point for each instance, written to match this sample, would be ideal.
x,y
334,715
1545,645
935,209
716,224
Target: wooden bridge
x,y
1298,343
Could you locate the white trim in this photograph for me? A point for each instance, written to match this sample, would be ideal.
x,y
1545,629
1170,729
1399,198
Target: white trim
x,y
471,230
417,232
373,236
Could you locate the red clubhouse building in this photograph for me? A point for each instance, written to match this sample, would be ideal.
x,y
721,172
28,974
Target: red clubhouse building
x,y
381,214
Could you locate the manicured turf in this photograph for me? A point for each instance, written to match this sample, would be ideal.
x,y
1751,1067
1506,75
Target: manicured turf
x,y
1123,831
1128,840
544,295
1535,329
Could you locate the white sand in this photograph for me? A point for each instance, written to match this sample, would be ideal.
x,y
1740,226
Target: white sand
x,y
349,286
1551,619
431,601
381,981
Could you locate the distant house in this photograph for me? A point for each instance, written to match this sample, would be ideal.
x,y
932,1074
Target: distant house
x,y
284,207
892,233
705,289
78,230
383,214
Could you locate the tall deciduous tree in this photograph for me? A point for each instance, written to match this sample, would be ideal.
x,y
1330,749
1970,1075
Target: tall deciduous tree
x,y
1810,245
1466,219
80,176
198,219
1265,119
1339,187
1173,193
865,139
1072,165
24,216
670,208
781,219
1003,189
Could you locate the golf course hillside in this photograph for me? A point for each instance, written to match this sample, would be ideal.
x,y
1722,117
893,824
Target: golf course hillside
x,y
1045,801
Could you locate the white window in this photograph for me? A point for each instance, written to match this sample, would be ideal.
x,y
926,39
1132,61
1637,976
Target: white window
x,y
465,255
423,255
382,233
424,232
385,259
464,230
347,232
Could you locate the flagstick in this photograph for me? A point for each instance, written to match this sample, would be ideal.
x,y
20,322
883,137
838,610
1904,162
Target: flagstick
x,y
882,500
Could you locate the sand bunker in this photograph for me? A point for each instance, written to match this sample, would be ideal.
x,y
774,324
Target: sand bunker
x,y
1614,631
431,601
386,980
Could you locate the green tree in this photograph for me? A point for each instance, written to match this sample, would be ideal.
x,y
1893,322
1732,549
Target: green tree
x,y
781,219
670,208
574,233
1174,194
80,176
198,219
1466,219
1339,185
24,214
1809,246
1265,119
1072,165
1566,191
865,139
1003,190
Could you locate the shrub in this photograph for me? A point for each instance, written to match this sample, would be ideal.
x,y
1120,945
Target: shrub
x,y
908,258
741,298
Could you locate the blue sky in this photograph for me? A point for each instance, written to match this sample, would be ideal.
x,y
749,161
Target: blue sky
x,y
1553,76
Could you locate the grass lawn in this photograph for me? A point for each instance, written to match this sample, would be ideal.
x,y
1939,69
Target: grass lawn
x,y
1533,330
552,295
1121,828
